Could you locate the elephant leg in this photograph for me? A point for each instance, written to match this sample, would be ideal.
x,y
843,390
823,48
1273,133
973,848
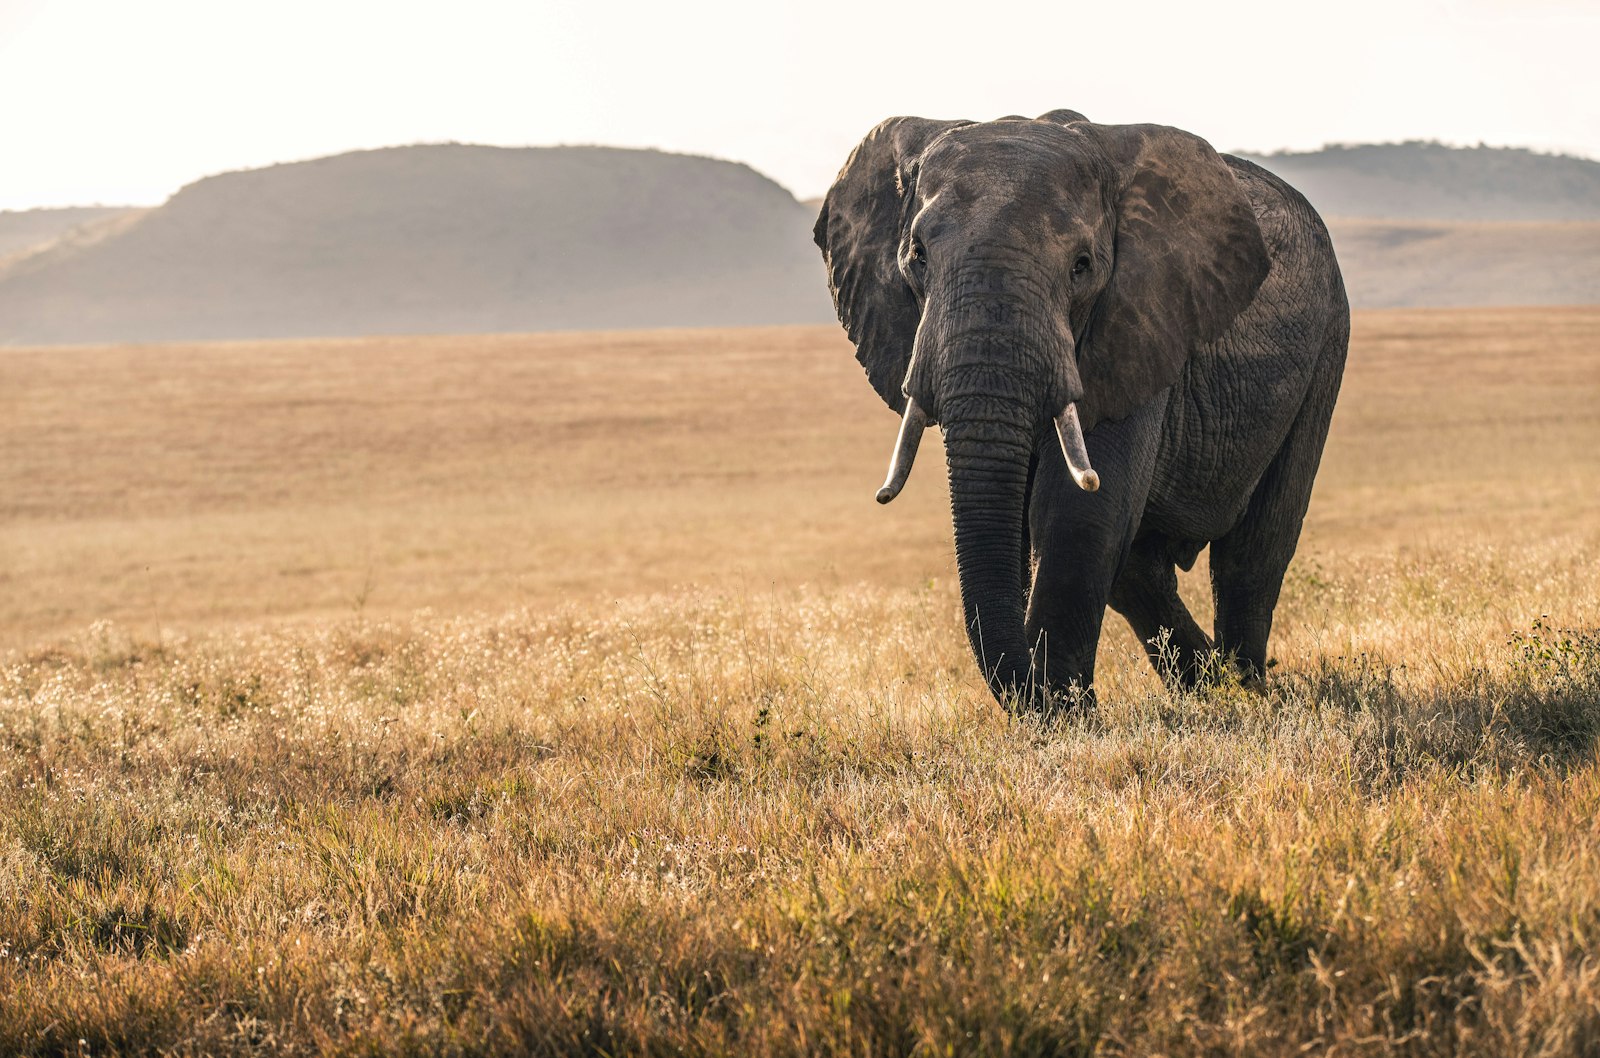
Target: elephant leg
x,y
1080,540
1248,563
1146,593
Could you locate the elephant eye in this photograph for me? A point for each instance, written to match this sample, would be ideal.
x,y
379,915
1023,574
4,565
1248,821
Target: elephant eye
x,y
1081,265
916,264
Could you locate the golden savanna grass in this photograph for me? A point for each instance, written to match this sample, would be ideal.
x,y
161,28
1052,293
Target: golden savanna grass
x,y
687,753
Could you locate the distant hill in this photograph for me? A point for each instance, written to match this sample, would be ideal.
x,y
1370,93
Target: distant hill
x,y
1429,181
29,229
1398,264
1423,224
442,238
460,239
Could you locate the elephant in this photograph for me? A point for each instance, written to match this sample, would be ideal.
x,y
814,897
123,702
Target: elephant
x,y
1132,345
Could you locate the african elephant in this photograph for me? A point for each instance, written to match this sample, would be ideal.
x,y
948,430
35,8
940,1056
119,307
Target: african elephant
x,y
1132,344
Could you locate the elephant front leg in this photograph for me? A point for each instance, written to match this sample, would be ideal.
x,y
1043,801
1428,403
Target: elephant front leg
x,y
1065,613
1080,542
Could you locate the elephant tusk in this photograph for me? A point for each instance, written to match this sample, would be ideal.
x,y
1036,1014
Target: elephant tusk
x,y
905,451
1070,431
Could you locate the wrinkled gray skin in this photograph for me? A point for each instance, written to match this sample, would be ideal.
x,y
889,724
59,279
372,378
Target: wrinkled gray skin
x,y
1187,302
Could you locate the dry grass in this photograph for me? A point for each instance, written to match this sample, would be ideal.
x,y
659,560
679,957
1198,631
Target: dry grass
x,y
172,487
176,487
761,816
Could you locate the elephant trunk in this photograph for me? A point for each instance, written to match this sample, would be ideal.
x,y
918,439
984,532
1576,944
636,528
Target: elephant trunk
x,y
988,446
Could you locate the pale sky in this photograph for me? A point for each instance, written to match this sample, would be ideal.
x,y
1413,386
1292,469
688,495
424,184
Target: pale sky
x,y
124,101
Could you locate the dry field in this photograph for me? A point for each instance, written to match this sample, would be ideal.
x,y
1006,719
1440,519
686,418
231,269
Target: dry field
x,y
684,753
174,488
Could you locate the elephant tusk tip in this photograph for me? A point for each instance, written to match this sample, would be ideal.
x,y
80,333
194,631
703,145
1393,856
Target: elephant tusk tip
x,y
1089,481
886,494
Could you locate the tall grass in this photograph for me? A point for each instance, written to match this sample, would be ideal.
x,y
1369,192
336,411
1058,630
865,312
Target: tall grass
x,y
793,823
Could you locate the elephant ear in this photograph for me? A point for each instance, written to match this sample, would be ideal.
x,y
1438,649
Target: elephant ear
x,y
858,232
1189,259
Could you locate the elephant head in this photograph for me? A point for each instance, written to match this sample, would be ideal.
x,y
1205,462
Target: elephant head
x,y
1012,279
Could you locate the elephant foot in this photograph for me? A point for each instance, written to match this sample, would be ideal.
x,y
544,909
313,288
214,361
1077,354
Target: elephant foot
x,y
1051,704
1073,703
1066,703
1211,669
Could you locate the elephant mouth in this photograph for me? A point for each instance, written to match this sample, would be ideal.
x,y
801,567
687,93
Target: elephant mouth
x,y
1069,432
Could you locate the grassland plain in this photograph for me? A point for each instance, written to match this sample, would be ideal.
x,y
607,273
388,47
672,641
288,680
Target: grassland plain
x,y
686,755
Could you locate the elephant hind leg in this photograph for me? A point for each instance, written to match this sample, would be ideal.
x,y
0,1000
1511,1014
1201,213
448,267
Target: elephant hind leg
x,y
1146,593
1249,562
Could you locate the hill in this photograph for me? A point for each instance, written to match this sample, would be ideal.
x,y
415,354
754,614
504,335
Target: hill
x,y
29,231
465,239
1398,264
1429,181
444,238
1419,224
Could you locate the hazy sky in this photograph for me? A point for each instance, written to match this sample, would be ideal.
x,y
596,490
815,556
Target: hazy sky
x,y
123,101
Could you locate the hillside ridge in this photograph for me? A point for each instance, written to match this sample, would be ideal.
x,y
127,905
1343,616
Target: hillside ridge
x,y
1427,180
436,238
468,238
